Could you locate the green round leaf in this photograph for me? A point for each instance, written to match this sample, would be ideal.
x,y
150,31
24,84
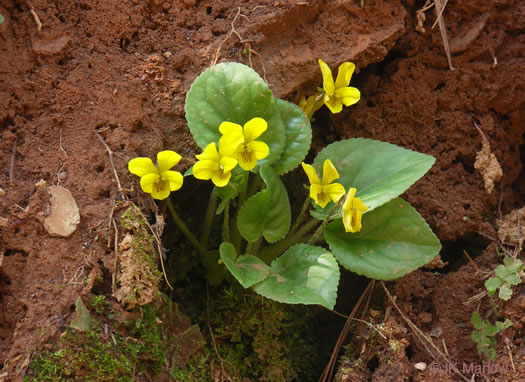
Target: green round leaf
x,y
298,136
248,269
379,171
394,241
267,212
305,274
236,93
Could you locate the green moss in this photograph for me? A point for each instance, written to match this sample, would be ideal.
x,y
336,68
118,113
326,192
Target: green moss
x,y
119,354
256,339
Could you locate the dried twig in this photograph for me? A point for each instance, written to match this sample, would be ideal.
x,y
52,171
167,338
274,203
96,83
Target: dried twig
x,y
440,6
471,261
110,153
115,262
60,142
329,369
13,158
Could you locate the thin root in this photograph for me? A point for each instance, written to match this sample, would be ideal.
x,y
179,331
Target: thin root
x,y
110,153
115,262
35,16
242,41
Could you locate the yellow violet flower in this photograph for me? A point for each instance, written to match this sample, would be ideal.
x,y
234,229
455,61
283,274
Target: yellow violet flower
x,y
310,104
158,180
217,165
353,209
322,191
249,150
338,93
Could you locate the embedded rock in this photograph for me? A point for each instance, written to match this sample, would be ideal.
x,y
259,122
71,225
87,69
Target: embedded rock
x,y
63,216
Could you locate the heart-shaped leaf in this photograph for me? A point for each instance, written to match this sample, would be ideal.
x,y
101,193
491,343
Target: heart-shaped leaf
x,y
304,274
394,241
247,269
267,212
379,171
236,93
298,136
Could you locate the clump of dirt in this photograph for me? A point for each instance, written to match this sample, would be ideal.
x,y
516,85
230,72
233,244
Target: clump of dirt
x,y
102,82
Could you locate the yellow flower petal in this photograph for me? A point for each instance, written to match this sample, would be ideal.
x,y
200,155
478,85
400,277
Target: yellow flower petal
x,y
229,127
220,178
161,190
228,163
335,191
348,96
167,159
347,222
246,157
344,75
302,102
347,206
353,210
174,178
148,181
333,103
329,172
230,141
359,205
357,223
204,169
260,149
142,166
316,193
328,79
254,128
209,153
313,178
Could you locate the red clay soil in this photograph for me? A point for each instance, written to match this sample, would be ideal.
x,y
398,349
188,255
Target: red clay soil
x,y
121,69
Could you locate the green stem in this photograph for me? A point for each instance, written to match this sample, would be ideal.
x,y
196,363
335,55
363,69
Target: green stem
x,y
226,223
254,186
185,229
236,235
494,306
270,253
208,220
249,248
321,228
304,209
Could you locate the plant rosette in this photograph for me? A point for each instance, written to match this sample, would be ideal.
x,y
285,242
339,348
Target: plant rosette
x,y
370,231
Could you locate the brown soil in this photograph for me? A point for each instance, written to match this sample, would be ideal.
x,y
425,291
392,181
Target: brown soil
x,y
121,69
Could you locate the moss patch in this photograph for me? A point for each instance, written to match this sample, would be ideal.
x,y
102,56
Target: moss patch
x,y
106,352
256,338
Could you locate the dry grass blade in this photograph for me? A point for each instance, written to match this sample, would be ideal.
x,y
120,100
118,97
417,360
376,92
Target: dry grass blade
x,y
440,7
329,369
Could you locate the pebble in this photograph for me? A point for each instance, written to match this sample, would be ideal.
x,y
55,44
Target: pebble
x,y
63,216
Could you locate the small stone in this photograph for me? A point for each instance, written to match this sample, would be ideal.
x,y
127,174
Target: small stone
x,y
420,366
64,215
167,54
49,45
